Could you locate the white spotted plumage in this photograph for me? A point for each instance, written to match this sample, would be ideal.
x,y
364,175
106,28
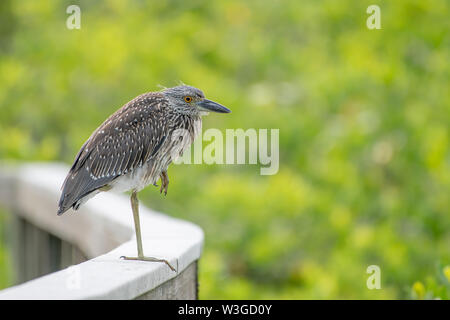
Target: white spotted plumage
x,y
131,149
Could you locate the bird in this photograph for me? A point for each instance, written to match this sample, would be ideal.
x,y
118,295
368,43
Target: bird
x,y
134,147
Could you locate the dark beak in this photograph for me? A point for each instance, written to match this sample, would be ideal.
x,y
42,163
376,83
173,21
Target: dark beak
x,y
208,105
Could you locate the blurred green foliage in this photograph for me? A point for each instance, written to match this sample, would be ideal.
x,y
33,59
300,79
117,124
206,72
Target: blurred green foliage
x,y
435,287
363,116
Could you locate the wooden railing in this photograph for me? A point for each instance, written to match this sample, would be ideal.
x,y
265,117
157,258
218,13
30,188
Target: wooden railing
x,y
77,255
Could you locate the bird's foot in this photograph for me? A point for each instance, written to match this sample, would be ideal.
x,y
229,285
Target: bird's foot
x,y
150,259
164,183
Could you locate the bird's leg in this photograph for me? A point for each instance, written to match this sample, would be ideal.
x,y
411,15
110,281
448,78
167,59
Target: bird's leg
x,y
137,226
137,223
164,182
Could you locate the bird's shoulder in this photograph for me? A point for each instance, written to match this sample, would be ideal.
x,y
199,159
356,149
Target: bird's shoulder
x,y
147,105
137,127
146,110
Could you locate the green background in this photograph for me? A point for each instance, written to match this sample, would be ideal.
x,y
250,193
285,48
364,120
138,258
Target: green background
x,y
363,116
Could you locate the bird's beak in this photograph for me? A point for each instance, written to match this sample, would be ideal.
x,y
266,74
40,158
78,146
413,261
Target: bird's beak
x,y
211,106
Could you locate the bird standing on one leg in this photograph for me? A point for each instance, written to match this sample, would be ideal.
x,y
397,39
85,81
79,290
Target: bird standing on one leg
x,y
134,147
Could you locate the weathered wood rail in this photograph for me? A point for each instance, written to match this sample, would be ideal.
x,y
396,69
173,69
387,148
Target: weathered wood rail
x,y
77,255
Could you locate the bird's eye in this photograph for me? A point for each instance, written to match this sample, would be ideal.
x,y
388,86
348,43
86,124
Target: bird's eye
x,y
188,99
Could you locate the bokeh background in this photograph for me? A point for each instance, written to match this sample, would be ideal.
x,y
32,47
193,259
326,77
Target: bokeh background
x,y
363,115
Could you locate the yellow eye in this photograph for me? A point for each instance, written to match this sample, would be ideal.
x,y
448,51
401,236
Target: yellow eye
x,y
188,99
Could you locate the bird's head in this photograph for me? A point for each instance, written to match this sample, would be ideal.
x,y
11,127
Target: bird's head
x,y
191,101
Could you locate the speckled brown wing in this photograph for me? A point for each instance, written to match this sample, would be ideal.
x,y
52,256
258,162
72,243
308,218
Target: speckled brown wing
x,y
126,140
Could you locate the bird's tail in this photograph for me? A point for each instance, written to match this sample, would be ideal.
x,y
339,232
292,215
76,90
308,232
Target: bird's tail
x,y
76,187
69,194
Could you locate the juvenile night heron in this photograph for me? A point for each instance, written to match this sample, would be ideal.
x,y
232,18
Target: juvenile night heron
x,y
134,147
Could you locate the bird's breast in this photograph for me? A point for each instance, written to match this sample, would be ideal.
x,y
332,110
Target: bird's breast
x,y
149,173
136,179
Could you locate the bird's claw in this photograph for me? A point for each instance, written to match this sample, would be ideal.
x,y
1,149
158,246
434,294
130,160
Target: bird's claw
x,y
163,188
150,259
164,183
